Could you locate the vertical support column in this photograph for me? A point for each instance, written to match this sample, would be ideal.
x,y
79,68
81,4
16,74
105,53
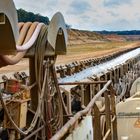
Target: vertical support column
x,y
118,73
113,110
86,94
96,124
128,66
102,78
124,69
99,85
96,86
107,114
106,76
115,75
82,96
69,102
34,95
92,93
121,70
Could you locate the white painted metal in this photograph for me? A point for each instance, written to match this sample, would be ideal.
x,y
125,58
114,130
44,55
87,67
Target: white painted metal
x,y
57,33
84,131
135,87
128,118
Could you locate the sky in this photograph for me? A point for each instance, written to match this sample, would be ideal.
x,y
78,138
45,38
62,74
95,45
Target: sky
x,y
94,15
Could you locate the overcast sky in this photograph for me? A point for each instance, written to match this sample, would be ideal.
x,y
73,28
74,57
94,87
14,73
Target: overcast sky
x,y
89,14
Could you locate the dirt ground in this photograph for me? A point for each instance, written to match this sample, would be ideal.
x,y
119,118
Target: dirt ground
x,y
71,56
87,54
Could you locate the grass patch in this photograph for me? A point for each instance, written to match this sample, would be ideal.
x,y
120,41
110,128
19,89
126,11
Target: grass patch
x,y
77,49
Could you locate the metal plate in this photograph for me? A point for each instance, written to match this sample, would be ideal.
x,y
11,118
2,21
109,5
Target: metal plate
x,y
84,131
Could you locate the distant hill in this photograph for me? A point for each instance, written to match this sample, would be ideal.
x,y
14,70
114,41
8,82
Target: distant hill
x,y
114,37
76,36
25,16
131,32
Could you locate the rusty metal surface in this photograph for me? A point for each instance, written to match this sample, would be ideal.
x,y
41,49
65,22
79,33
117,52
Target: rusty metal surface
x,y
8,8
83,83
57,39
39,36
108,116
97,124
57,34
73,120
75,67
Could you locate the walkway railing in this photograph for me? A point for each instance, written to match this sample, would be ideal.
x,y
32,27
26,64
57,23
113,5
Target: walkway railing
x,y
109,112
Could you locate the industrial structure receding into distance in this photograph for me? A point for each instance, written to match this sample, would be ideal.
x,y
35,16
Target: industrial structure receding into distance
x,y
95,99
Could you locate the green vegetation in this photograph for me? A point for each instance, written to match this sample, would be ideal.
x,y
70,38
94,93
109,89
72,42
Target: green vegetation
x,y
132,32
24,16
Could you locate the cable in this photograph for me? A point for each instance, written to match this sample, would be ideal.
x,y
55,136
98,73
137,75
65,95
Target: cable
x,y
41,41
28,35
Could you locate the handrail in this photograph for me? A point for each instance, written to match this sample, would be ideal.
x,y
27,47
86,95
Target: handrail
x,y
85,83
73,120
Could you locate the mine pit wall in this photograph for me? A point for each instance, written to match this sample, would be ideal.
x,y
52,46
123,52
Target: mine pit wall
x,y
121,75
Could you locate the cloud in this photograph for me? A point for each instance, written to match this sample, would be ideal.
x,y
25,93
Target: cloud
x,y
79,7
115,2
89,14
113,14
121,24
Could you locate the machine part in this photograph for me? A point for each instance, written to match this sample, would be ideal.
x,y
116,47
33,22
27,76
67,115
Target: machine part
x,y
18,111
135,87
128,118
57,34
62,132
32,40
84,131
26,30
35,35
8,28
